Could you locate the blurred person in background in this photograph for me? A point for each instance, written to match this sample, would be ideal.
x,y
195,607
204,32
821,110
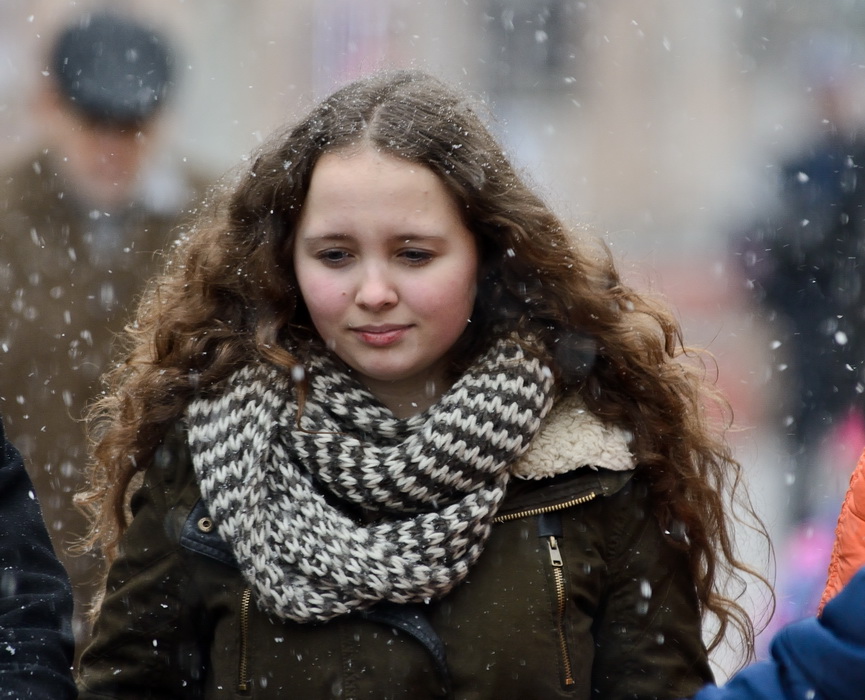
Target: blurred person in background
x,y
35,595
823,656
804,263
81,220
848,550
818,658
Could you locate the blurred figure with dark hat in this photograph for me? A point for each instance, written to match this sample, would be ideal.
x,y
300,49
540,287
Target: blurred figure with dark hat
x,y
112,70
109,78
81,222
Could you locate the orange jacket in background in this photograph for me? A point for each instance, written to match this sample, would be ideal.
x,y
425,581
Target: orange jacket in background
x,y
848,552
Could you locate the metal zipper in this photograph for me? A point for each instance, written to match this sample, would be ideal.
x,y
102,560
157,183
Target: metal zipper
x,y
547,509
559,580
243,665
558,566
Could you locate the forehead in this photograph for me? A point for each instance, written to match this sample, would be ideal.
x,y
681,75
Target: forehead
x,y
367,156
370,178
370,196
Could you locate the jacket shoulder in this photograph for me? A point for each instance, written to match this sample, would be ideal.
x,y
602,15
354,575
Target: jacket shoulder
x,y
187,519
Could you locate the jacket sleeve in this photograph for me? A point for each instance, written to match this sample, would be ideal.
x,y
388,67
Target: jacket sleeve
x,y
148,638
817,658
848,552
35,595
648,627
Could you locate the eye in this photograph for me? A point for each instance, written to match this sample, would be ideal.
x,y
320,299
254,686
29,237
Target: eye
x,y
332,256
414,256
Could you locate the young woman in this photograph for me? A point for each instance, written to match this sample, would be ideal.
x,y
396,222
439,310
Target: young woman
x,y
402,436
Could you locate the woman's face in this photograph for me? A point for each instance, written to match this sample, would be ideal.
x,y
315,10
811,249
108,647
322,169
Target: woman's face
x,y
388,272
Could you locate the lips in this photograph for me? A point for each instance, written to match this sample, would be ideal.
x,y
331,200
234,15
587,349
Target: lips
x,y
380,336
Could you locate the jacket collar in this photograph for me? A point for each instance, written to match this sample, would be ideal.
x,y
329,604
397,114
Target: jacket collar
x,y
572,437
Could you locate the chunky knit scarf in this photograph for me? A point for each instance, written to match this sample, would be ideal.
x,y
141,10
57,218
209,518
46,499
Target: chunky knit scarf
x,y
425,489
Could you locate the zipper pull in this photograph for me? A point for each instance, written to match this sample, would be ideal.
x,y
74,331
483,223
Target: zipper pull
x,y
243,684
555,554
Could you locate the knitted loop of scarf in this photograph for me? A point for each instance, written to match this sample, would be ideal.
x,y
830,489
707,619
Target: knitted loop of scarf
x,y
433,481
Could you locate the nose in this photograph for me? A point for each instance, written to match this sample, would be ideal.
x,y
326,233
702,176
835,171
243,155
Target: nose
x,y
376,290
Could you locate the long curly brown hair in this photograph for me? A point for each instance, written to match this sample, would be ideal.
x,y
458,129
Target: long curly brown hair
x,y
228,296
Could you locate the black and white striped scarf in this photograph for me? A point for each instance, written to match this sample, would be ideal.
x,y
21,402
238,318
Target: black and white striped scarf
x,y
433,481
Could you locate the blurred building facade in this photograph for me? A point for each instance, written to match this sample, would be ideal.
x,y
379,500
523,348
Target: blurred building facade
x,y
651,117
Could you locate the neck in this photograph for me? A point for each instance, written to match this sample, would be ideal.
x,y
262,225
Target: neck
x,y
409,395
404,403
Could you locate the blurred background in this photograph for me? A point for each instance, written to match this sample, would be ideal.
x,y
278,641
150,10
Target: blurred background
x,y
661,125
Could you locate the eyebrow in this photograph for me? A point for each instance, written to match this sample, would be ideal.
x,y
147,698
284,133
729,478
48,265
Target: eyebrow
x,y
325,236
347,236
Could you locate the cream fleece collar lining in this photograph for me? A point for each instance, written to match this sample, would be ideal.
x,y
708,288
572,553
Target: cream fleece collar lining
x,y
571,437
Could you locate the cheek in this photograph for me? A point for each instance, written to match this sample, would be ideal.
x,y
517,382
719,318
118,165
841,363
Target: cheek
x,y
451,301
323,296
130,154
463,296
465,285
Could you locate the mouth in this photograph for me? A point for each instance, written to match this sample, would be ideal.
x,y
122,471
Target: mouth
x,y
381,336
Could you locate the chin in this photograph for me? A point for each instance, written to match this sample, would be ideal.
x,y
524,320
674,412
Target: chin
x,y
384,375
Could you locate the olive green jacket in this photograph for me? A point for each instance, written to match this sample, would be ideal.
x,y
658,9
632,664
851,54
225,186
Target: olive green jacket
x,y
578,594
